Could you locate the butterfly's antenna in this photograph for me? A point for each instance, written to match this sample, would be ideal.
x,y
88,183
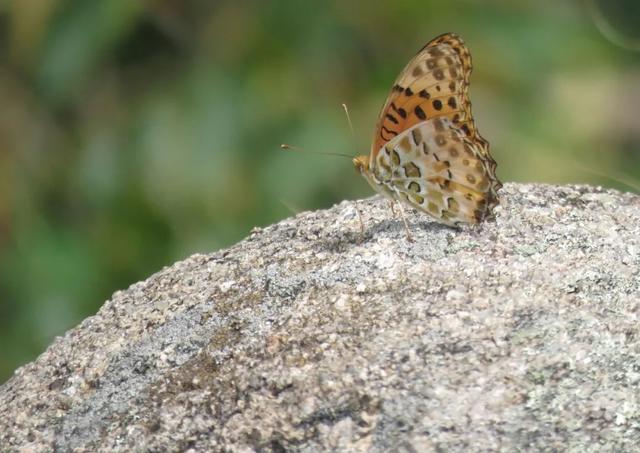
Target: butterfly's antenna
x,y
346,112
353,134
297,148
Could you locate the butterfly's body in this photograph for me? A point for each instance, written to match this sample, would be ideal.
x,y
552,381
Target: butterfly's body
x,y
427,152
381,182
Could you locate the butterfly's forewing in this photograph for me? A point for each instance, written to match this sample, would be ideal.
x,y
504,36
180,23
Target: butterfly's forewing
x,y
434,84
437,169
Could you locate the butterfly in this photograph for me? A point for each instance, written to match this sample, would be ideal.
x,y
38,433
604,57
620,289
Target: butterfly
x,y
427,152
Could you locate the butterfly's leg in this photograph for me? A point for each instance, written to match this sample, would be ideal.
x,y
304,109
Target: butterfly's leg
x,y
355,204
393,211
404,220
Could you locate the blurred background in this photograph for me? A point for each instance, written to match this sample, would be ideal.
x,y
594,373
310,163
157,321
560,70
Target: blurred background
x,y
135,133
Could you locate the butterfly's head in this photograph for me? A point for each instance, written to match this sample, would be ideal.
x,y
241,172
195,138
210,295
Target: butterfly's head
x,y
361,163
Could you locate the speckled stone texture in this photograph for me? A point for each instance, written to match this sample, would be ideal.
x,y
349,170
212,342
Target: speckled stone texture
x,y
518,335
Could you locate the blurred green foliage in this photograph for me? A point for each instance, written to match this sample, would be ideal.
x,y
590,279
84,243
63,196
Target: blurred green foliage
x,y
134,133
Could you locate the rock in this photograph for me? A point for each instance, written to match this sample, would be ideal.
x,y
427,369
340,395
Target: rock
x,y
519,334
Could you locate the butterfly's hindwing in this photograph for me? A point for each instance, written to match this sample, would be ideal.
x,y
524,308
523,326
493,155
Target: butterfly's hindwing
x,y
437,169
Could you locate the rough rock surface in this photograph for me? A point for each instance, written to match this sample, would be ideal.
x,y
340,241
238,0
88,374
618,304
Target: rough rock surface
x,y
522,334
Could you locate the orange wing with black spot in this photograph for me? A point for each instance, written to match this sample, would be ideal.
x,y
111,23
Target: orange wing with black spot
x,y
434,84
